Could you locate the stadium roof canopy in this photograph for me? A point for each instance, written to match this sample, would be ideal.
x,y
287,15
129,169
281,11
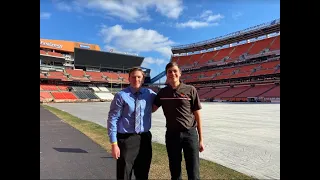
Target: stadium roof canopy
x,y
249,33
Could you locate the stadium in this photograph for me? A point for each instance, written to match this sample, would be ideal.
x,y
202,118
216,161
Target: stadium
x,y
243,66
80,72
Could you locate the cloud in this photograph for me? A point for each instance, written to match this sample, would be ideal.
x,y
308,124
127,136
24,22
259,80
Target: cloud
x,y
128,10
236,15
150,60
194,24
63,6
136,40
45,15
205,13
156,65
207,18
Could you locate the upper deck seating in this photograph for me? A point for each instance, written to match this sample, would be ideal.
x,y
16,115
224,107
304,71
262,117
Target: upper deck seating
x,y
112,76
57,75
228,54
125,77
95,76
77,74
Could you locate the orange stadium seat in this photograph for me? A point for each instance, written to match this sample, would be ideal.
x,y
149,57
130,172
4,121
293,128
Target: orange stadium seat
x,y
276,44
202,59
233,91
222,54
125,77
214,92
45,96
63,87
43,52
77,74
258,46
256,90
112,76
49,87
57,75
239,50
96,76
205,57
272,93
63,95
42,76
204,90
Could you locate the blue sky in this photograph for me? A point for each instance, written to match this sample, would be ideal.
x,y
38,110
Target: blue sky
x,y
150,27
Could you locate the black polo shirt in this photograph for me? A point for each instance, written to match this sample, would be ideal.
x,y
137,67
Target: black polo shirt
x,y
178,106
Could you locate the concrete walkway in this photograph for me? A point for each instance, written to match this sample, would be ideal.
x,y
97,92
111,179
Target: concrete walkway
x,y
66,153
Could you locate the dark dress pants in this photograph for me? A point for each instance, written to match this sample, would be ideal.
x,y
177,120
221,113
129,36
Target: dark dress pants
x,y
135,155
189,143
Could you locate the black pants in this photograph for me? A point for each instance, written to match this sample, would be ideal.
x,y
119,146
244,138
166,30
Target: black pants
x,y
135,154
188,141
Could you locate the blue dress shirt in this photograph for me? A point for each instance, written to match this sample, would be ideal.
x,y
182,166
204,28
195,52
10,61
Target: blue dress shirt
x,y
121,118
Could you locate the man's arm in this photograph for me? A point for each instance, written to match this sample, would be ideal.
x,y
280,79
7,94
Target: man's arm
x,y
156,102
153,98
199,124
154,108
113,117
196,106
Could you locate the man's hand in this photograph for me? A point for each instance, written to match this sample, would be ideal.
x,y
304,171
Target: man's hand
x,y
201,146
115,151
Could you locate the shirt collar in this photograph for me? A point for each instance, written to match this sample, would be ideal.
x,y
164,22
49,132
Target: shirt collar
x,y
133,91
179,87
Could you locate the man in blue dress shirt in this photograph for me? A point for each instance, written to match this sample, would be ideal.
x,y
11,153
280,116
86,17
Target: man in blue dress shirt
x,y
129,122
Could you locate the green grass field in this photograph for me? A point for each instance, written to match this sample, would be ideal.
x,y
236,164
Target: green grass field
x,y
159,166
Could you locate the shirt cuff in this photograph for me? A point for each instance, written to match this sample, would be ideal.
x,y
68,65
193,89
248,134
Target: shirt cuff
x,y
113,139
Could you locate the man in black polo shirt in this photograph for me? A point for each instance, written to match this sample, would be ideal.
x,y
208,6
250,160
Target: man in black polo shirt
x,y
181,107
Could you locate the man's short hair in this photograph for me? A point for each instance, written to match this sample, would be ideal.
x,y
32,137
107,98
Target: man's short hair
x,y
136,69
171,64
